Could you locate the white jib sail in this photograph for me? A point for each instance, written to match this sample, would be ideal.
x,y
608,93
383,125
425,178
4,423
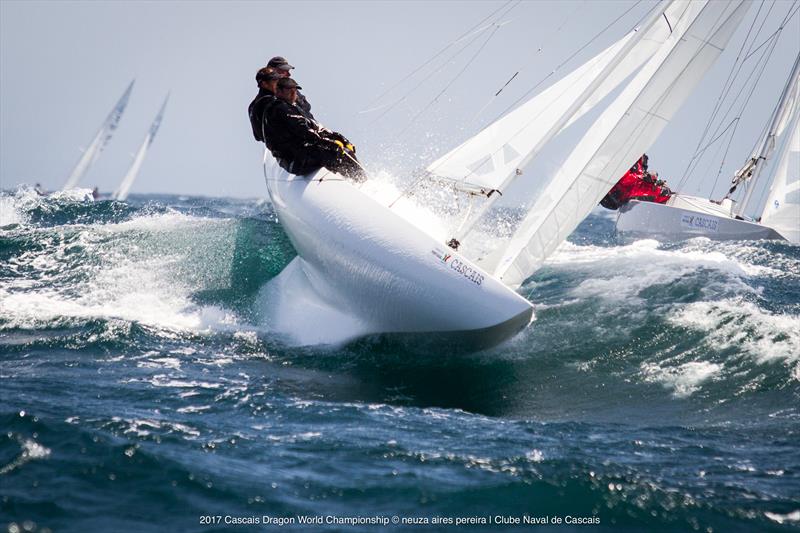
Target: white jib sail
x,y
782,210
100,140
490,159
125,186
625,129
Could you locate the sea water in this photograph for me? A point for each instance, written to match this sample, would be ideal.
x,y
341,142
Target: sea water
x,y
658,388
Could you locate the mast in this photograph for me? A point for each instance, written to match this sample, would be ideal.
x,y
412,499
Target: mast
x,y
755,165
127,182
100,140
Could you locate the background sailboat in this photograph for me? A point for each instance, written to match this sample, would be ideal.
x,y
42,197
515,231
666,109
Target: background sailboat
x,y
685,216
127,182
100,140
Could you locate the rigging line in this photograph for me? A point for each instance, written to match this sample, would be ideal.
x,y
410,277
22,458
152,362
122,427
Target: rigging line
x,y
744,104
440,52
752,90
724,157
539,50
423,176
450,59
558,97
775,108
450,83
426,78
765,56
762,62
579,50
689,170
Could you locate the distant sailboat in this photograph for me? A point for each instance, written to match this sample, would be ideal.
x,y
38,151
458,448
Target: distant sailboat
x,y
100,141
684,216
125,186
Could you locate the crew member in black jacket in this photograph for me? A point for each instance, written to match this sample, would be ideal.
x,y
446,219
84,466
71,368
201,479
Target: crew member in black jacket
x,y
283,68
267,80
299,143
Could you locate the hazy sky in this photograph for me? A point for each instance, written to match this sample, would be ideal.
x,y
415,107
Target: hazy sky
x,y
63,65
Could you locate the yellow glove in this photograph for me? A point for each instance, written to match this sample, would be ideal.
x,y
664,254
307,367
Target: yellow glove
x,y
340,144
351,147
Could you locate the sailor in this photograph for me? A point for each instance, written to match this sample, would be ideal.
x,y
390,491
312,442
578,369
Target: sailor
x,y
637,184
267,81
300,144
283,68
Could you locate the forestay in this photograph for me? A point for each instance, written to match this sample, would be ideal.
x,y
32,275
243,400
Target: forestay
x,y
100,140
782,210
687,44
125,187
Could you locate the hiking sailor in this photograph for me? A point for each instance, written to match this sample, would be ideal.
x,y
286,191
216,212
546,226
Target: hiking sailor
x,y
300,144
283,68
267,80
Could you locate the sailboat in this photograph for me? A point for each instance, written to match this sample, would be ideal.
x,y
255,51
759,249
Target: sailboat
x,y
684,216
127,182
100,140
364,266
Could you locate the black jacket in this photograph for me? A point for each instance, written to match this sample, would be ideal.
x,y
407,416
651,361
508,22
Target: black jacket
x,y
256,112
290,134
303,104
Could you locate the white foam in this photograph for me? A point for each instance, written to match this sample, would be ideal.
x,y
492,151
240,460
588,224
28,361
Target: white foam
x,y
134,271
793,516
684,380
741,324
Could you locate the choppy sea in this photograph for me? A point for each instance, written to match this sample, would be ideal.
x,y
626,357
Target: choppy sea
x,y
657,390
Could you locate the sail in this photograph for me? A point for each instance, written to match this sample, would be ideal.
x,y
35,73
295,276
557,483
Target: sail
x,y
486,159
780,118
495,157
492,158
100,140
125,186
782,210
624,130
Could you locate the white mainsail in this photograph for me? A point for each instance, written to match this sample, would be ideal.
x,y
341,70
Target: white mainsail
x,y
782,210
125,186
625,129
100,140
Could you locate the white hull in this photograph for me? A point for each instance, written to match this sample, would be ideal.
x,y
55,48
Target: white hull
x,y
370,270
685,217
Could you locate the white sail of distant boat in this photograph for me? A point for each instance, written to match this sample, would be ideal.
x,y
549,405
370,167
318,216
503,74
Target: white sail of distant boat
x,y
100,140
782,209
127,182
667,56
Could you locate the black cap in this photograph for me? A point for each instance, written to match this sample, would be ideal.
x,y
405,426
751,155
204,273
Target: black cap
x,y
267,74
287,83
279,62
